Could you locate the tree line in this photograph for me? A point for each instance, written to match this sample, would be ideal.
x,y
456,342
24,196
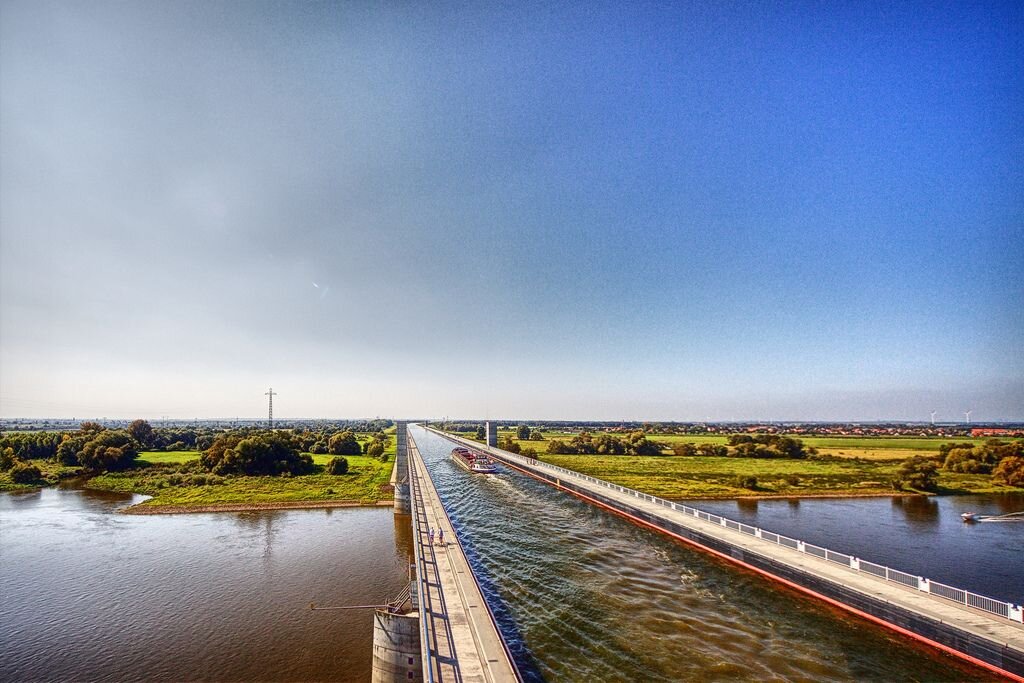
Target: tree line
x,y
635,443
247,451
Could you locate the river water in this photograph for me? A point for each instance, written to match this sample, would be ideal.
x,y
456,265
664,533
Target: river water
x,y
91,595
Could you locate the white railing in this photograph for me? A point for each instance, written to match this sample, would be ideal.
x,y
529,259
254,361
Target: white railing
x,y
1000,608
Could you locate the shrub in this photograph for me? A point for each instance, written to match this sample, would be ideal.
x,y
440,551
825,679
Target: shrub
x,y
25,473
110,451
268,453
746,482
920,473
793,480
1010,471
384,457
344,443
337,465
6,459
375,449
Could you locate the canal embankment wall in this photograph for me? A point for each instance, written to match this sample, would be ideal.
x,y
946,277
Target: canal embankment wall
x,y
997,645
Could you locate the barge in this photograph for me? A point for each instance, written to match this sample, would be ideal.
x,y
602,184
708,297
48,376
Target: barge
x,y
473,461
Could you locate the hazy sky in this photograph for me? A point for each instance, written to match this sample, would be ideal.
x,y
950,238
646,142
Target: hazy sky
x,y
562,210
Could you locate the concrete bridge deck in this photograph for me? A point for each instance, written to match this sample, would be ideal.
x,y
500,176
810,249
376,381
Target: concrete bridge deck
x,y
992,642
459,638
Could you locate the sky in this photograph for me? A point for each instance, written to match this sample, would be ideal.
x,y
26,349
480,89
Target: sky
x,y
662,211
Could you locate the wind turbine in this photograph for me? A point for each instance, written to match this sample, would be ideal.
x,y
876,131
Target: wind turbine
x,y
933,417
967,414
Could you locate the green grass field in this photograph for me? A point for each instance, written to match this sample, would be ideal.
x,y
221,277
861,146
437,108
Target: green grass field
x,y
167,457
875,448
366,482
700,477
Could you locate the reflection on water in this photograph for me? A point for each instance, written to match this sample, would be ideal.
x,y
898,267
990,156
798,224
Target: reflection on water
x,y
582,595
917,510
747,505
90,595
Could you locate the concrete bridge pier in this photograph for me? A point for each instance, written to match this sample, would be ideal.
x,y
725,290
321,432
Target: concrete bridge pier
x,y
396,647
400,473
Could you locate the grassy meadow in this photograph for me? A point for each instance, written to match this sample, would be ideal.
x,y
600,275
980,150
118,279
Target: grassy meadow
x,y
867,447
702,477
852,466
365,483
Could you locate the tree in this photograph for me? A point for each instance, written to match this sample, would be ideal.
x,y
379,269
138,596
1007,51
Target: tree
x,y
25,473
480,435
318,448
536,435
109,451
375,449
266,453
337,465
91,427
1010,471
919,473
142,432
685,449
344,443
523,433
6,459
507,444
70,447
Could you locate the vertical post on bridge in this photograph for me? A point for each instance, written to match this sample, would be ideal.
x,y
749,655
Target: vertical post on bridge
x,y
400,475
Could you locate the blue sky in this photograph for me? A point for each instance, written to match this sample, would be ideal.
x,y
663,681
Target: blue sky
x,y
642,211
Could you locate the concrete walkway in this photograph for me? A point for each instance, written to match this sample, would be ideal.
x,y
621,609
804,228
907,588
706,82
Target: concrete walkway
x,y
461,639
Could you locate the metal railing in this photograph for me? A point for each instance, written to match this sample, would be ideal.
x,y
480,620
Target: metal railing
x,y
428,631
1006,610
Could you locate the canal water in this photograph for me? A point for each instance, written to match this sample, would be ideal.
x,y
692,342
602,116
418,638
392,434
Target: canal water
x,y
582,595
91,595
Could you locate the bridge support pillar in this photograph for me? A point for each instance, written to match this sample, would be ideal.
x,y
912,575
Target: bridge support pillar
x,y
396,648
491,430
400,478
403,506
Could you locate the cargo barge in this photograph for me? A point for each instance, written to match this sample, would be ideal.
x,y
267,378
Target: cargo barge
x,y
473,461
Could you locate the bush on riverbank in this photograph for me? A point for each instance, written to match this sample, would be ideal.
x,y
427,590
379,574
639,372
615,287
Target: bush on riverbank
x,y
985,458
25,473
920,473
266,453
1010,471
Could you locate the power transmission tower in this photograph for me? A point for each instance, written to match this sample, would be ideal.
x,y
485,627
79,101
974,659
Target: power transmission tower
x,y
270,415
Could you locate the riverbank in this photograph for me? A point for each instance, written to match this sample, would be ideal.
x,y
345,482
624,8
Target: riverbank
x,y
143,509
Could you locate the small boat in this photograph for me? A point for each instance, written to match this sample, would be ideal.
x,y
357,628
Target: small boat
x,y
971,517
474,461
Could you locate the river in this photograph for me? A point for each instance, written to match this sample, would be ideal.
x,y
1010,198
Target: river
x,y
91,595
